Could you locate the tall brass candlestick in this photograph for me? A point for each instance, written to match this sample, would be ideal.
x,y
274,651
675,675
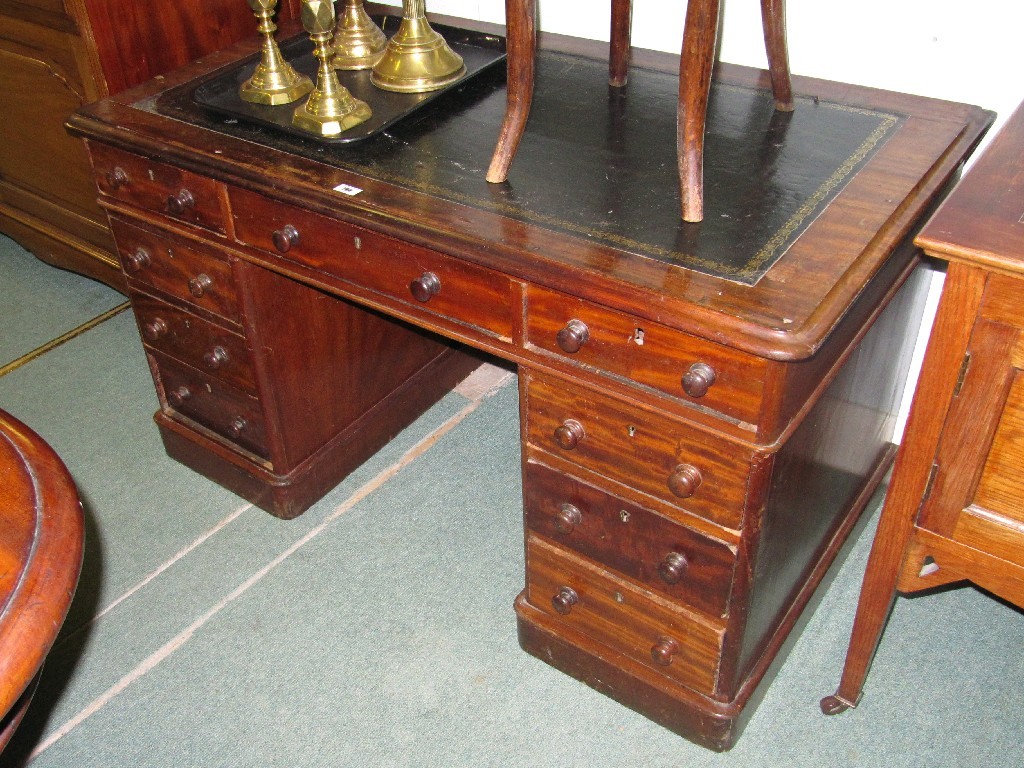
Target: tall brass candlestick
x,y
417,58
274,81
358,42
330,109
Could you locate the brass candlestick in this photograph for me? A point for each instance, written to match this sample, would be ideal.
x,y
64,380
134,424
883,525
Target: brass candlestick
x,y
274,81
330,108
417,58
358,42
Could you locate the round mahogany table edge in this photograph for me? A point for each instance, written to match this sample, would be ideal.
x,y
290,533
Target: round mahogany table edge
x,y
42,536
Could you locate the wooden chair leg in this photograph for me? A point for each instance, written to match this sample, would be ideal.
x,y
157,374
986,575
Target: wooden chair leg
x,y
695,64
521,38
618,49
773,20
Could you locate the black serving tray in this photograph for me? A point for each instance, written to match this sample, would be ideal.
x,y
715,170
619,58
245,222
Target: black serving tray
x,y
479,52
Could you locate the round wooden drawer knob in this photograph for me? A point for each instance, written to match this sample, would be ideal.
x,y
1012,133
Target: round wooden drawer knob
x,y
177,397
155,329
672,568
215,358
568,435
567,518
285,238
137,260
181,202
199,285
664,651
117,177
684,480
425,287
698,380
237,426
565,600
572,338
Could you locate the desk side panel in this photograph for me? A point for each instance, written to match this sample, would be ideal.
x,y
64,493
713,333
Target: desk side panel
x,y
821,479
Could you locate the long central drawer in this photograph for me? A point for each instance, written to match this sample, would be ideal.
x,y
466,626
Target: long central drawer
x,y
421,279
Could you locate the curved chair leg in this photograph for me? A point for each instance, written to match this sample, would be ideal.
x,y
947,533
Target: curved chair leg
x,y
695,64
521,36
618,48
773,20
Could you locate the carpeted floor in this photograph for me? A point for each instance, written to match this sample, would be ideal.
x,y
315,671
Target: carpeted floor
x,y
377,629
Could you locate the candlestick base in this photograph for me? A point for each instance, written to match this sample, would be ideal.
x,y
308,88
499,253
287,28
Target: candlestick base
x,y
417,58
358,43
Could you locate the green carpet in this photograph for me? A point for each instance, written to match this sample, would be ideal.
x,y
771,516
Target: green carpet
x,y
377,629
40,303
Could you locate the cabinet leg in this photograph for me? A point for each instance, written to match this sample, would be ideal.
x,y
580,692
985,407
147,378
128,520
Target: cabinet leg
x,y
878,592
961,298
833,705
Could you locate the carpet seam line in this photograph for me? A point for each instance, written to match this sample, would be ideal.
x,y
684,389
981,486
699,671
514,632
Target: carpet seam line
x,y
52,344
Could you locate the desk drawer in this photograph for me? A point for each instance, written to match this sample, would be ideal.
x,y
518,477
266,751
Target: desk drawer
x,y
158,188
186,271
419,278
717,377
623,617
660,553
231,413
196,342
658,455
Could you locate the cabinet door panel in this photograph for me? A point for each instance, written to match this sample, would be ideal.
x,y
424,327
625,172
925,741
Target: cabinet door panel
x,y
32,90
977,476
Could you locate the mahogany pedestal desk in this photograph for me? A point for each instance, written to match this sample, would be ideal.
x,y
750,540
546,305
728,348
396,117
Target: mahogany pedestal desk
x,y
705,408
955,507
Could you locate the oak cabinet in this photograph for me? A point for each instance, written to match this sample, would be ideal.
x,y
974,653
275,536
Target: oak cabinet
x,y
954,510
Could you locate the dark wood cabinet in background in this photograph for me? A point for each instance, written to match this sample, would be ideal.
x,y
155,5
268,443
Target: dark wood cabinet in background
x,y
56,56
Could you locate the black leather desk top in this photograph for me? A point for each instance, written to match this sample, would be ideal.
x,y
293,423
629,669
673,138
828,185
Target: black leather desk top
x,y
591,165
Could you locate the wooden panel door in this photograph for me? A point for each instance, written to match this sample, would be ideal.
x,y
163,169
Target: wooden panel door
x,y
977,496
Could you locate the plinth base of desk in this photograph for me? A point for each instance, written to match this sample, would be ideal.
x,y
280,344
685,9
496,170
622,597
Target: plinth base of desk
x,y
287,495
710,723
